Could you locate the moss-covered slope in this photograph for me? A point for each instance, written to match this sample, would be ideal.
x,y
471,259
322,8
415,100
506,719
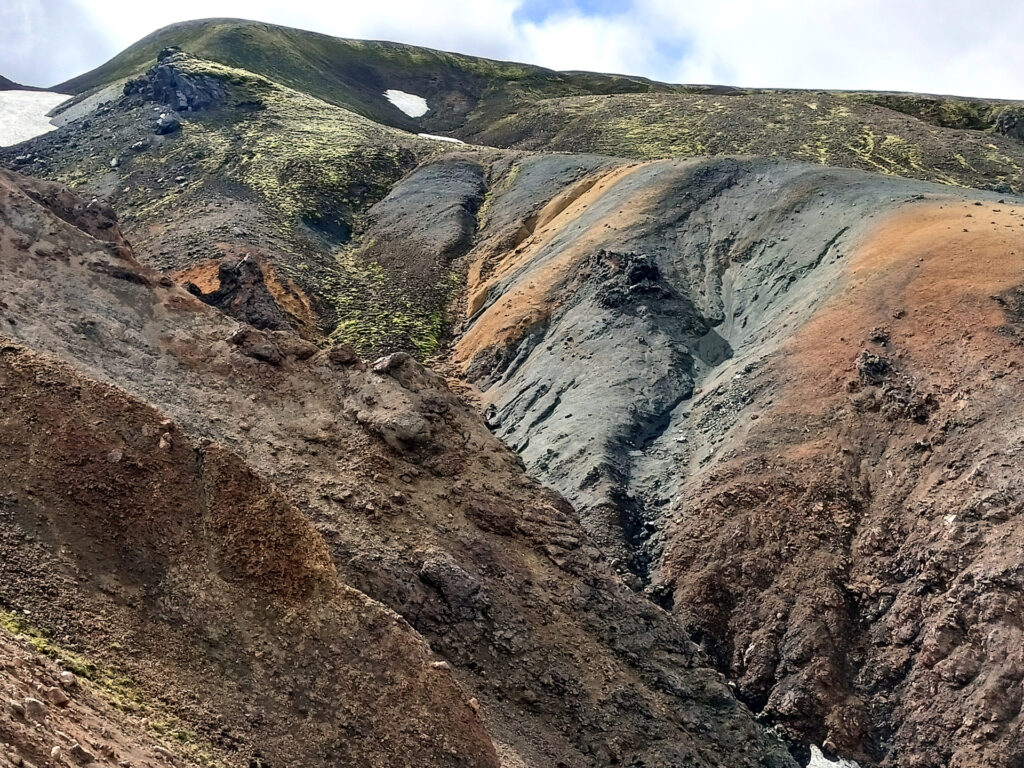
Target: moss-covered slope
x,y
265,171
956,142
356,73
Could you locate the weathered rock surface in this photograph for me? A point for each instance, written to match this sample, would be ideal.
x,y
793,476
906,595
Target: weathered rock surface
x,y
171,83
772,391
369,490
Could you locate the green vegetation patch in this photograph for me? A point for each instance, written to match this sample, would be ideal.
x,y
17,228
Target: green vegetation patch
x,y
377,315
116,688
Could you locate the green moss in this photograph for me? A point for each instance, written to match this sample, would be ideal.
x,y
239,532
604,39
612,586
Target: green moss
x,y
945,112
503,185
118,689
375,315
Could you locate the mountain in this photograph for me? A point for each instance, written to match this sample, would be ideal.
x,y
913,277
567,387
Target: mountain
x,y
355,73
10,85
945,139
254,517
716,461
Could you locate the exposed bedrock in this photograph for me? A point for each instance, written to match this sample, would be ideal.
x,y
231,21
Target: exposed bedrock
x,y
661,278
411,503
764,386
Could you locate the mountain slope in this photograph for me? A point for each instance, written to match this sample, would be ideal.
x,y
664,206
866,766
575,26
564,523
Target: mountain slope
x,y
867,131
781,397
355,73
778,392
339,490
947,139
268,172
256,169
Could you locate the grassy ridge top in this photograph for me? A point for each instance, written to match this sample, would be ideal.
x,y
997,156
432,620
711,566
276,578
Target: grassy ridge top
x,y
943,140
355,73
960,141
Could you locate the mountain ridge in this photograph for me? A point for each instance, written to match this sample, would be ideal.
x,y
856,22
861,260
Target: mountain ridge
x,y
720,464
10,85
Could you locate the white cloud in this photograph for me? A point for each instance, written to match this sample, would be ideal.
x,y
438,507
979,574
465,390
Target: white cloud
x,y
947,46
938,46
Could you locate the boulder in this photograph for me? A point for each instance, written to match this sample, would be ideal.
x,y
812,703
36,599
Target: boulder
x,y
168,123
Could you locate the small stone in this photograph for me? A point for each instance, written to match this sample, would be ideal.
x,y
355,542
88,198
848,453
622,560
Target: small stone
x,y
81,755
17,708
389,363
139,146
165,754
168,123
342,354
55,753
114,456
442,665
57,697
114,162
474,705
35,709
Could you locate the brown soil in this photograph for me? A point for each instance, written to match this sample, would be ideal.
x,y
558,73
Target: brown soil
x,y
854,567
339,581
286,294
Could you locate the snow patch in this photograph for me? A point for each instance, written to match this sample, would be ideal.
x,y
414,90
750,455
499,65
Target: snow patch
x,y
411,104
23,114
440,138
818,760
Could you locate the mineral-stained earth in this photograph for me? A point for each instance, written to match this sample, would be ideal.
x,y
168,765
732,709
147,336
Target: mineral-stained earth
x,y
652,426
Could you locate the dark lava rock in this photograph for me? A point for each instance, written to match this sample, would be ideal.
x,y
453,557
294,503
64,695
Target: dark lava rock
x,y
872,368
169,83
168,123
1010,122
243,294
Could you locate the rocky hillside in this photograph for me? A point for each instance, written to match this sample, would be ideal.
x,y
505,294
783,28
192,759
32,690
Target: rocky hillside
x,y
231,504
721,464
772,392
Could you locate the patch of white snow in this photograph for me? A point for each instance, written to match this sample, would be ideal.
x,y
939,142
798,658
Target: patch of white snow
x,y
411,104
440,138
23,114
818,760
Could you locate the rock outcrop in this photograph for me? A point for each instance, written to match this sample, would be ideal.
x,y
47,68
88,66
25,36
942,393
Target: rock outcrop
x,y
171,83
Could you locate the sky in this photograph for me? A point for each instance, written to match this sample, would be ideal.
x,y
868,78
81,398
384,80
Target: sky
x,y
962,47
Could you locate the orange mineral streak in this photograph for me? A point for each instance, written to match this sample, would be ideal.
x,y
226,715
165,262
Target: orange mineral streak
x,y
928,274
203,275
537,292
288,296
